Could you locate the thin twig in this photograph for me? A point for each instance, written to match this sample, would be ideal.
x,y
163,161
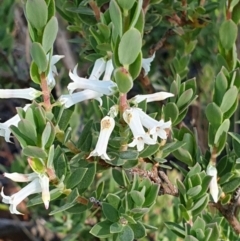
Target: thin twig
x,y
161,42
95,9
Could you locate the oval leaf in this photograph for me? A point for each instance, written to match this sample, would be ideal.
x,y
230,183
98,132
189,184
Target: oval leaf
x,y
130,46
50,34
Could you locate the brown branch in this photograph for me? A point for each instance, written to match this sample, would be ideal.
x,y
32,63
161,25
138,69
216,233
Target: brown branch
x,y
160,178
145,5
95,9
226,211
161,42
184,4
228,11
146,83
230,211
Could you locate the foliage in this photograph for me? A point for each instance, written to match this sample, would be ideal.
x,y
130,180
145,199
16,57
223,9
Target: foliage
x,y
104,167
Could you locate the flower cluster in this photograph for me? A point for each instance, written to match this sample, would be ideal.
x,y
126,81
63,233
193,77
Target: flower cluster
x,y
28,94
145,129
39,183
137,120
91,88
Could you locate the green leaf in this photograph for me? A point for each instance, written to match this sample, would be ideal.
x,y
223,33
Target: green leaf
x,y
183,156
104,29
151,195
126,4
136,13
34,73
229,99
130,46
50,34
123,79
88,178
190,238
215,232
126,235
171,112
170,147
77,208
75,177
116,17
39,56
62,208
231,185
118,177
228,34
200,205
137,197
72,197
194,170
181,187
235,136
37,165
101,229
184,212
37,13
221,85
48,135
236,13
110,212
138,230
28,129
140,22
199,223
114,200
60,165
64,117
194,191
34,151
214,114
223,129
135,67
149,151
129,155
176,228
54,194
100,189
84,141
116,228
185,97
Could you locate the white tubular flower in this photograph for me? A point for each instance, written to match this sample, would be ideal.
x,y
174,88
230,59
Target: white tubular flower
x,y
28,94
132,118
38,183
4,127
44,182
32,188
98,69
72,99
18,177
53,70
151,97
108,71
146,64
107,126
107,87
156,128
213,186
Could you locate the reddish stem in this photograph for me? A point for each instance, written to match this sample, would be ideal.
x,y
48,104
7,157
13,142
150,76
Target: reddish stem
x,y
46,92
123,105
